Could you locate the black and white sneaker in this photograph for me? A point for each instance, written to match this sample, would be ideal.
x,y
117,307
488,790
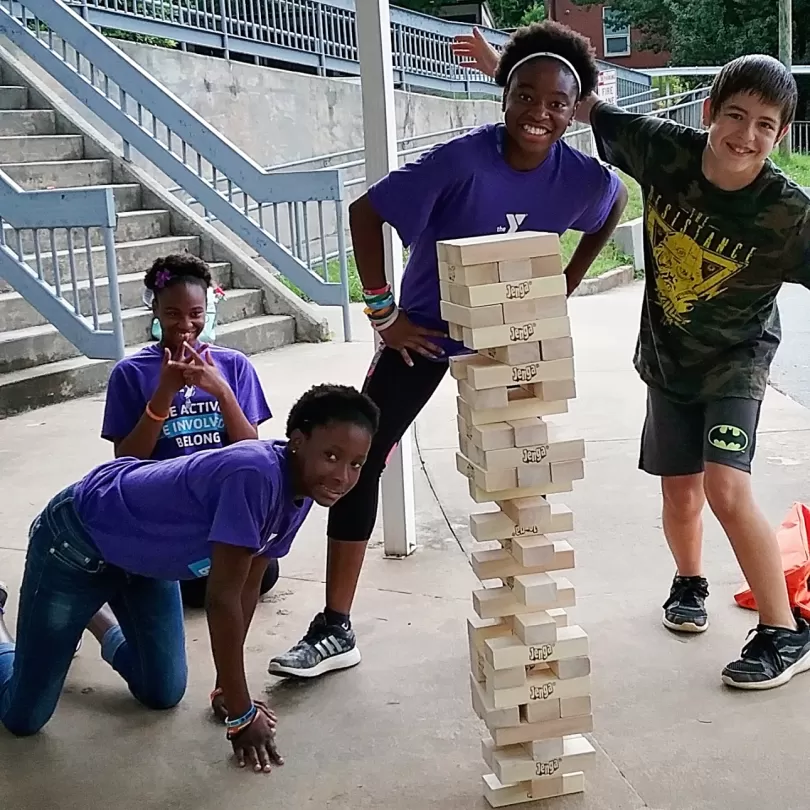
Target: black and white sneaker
x,y
685,610
771,658
3,597
325,648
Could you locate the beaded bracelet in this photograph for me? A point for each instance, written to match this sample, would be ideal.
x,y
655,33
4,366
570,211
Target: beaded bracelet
x,y
241,723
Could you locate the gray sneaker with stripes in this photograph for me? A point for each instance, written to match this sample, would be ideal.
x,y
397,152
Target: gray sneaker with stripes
x,y
325,648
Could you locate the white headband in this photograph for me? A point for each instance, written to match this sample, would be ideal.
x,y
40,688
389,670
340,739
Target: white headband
x,y
547,55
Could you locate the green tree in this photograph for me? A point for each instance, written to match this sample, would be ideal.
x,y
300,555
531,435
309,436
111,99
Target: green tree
x,y
700,32
507,13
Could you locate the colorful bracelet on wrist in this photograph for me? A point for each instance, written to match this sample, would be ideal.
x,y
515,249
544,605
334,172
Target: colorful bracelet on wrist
x,y
381,307
241,723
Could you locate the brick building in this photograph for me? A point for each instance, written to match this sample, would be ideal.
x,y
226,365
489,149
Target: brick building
x,y
613,43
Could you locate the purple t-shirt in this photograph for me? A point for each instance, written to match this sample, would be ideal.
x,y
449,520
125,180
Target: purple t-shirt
x,y
158,518
195,421
466,188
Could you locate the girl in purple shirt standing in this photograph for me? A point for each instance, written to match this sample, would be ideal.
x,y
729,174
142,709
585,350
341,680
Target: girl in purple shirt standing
x,y
130,526
504,178
208,397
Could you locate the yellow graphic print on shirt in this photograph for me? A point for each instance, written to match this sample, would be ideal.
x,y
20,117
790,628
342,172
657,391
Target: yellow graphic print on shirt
x,y
693,259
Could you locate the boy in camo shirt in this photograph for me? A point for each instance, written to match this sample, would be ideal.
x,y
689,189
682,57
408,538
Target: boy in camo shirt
x,y
723,229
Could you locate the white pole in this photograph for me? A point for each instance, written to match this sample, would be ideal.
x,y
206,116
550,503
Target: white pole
x,y
380,134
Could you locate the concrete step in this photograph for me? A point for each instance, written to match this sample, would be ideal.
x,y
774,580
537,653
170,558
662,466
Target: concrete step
x,y
13,98
17,313
27,122
60,173
131,257
79,376
37,345
19,148
132,226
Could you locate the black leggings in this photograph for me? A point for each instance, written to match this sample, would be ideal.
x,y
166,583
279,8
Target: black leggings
x,y
400,392
193,590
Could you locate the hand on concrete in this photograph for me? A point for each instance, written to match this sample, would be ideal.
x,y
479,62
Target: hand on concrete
x,y
257,744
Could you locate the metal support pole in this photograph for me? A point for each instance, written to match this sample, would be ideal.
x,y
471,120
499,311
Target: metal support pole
x,y
379,130
786,56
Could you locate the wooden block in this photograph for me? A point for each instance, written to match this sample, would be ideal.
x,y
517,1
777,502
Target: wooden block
x,y
534,476
556,349
494,480
533,552
534,590
541,454
455,332
560,616
498,794
461,363
472,317
576,707
490,436
527,732
555,389
477,664
550,265
567,644
571,667
502,678
522,406
498,247
555,306
514,764
481,495
541,711
539,686
529,431
542,749
491,603
518,354
494,718
444,290
484,399
528,511
567,471
484,295
488,337
485,372
500,564
479,630
497,525
470,274
516,270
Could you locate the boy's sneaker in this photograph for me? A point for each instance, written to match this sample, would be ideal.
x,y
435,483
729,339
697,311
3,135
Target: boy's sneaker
x,y
685,610
771,658
323,649
3,597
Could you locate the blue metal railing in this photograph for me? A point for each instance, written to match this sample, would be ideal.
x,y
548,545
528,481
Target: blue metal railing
x,y
316,35
228,184
47,256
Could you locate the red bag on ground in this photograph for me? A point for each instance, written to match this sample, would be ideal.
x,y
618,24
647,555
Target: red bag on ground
x,y
795,553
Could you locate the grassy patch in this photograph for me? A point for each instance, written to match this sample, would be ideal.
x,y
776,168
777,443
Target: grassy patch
x,y
797,167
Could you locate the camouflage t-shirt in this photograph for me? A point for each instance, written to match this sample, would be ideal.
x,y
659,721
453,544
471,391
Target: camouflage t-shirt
x,y
714,259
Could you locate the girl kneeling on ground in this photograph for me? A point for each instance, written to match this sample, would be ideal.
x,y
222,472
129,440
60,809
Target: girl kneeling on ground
x,y
130,529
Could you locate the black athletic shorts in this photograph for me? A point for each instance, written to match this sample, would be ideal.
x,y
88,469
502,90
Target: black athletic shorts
x,y
678,439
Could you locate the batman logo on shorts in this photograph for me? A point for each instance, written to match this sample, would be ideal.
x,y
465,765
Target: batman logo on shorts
x,y
729,438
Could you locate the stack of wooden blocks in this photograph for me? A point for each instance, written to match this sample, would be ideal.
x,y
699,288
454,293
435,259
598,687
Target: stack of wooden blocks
x,y
505,298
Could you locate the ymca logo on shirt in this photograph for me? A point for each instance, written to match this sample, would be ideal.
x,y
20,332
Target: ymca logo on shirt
x,y
514,221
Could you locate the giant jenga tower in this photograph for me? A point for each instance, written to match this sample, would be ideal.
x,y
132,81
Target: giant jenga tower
x,y
505,297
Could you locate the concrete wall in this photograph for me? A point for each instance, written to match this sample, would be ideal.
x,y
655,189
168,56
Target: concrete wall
x,y
278,116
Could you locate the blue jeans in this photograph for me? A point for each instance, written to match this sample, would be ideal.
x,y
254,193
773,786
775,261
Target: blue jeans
x,y
65,582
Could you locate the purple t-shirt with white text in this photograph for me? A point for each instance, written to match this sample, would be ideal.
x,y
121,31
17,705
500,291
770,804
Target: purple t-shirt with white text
x,y
159,518
466,188
195,421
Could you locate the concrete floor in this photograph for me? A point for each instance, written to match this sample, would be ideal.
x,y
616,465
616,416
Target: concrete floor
x,y
398,732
